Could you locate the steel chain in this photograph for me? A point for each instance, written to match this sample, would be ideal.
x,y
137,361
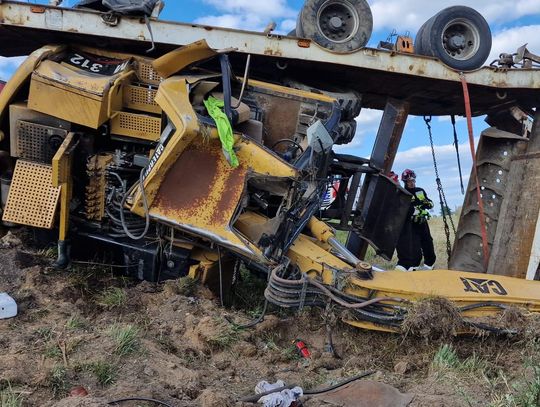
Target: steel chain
x,y
440,190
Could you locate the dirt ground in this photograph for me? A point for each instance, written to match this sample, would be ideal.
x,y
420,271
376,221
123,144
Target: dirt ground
x,y
93,331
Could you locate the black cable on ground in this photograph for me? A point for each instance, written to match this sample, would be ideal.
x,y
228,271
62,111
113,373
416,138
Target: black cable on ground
x,y
254,398
256,321
341,384
140,399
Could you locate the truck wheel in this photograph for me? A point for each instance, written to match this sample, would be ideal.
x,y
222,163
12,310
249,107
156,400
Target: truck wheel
x,y
341,26
459,36
346,131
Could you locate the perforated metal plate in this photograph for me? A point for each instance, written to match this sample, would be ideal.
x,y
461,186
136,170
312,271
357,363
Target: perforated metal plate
x,y
147,74
32,200
37,142
136,125
141,98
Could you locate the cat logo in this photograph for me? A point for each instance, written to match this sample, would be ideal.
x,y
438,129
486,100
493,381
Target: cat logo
x,y
482,286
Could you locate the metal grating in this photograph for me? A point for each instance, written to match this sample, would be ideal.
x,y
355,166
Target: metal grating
x,y
141,98
137,125
37,142
32,200
146,73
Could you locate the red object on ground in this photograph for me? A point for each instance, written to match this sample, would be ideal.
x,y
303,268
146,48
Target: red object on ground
x,y
2,84
302,348
78,391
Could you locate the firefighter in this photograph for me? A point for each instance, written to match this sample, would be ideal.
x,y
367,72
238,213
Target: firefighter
x,y
415,240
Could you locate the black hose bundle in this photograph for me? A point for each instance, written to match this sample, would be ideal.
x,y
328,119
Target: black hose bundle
x,y
298,293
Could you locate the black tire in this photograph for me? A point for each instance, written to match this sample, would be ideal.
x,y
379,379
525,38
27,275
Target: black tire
x,y
341,26
459,36
346,131
420,45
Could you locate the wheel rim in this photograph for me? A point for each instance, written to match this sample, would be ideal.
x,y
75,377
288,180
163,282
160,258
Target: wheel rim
x,y
337,21
460,39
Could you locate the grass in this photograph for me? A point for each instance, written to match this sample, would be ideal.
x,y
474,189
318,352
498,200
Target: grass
x,y
525,391
10,398
75,323
126,339
436,226
187,286
113,297
445,358
50,252
446,361
104,372
45,333
58,381
225,338
52,351
249,292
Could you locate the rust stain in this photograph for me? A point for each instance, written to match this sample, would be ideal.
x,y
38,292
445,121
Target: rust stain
x,y
230,196
272,52
188,181
201,189
37,9
304,43
286,109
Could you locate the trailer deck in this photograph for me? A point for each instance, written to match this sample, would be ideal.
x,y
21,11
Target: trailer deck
x,y
428,85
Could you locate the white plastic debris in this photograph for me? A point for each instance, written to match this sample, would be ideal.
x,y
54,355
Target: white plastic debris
x,y
282,399
8,306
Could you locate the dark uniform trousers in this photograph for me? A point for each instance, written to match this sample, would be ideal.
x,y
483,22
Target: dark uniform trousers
x,y
415,240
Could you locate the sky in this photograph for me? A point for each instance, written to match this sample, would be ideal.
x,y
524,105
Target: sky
x,y
513,23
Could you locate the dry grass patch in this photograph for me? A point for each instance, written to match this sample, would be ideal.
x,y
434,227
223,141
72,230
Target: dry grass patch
x,y
433,318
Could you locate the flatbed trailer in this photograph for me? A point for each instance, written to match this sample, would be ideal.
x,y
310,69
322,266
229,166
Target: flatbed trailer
x,y
429,86
401,84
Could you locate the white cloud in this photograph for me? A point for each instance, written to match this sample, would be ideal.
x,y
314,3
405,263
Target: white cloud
x,y
251,15
8,66
389,14
263,9
367,124
287,26
252,23
510,39
420,160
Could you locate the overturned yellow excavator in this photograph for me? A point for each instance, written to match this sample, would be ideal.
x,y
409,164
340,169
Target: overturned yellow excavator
x,y
120,153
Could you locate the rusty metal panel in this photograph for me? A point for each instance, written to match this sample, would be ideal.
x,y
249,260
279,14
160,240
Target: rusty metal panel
x,y
32,199
201,192
496,150
514,251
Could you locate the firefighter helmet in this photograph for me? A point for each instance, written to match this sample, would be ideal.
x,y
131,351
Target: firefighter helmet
x,y
408,175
